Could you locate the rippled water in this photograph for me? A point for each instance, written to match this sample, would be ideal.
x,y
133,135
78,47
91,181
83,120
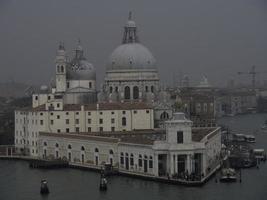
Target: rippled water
x,y
17,181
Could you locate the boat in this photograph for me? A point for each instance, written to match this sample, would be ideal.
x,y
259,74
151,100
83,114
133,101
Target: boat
x,y
259,154
264,126
228,175
239,137
103,183
44,187
250,138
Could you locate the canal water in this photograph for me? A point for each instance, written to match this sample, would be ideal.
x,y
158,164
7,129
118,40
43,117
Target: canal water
x,y
18,182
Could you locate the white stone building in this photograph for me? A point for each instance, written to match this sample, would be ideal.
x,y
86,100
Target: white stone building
x,y
178,152
70,118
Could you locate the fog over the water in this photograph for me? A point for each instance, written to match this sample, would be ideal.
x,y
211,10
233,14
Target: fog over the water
x,y
212,37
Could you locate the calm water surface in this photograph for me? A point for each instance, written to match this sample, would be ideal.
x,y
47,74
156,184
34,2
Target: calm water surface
x,y
18,182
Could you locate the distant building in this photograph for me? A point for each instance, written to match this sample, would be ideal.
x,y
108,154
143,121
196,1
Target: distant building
x,y
238,101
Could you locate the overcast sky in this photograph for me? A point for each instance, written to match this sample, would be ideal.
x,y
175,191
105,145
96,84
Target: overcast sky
x,y
215,38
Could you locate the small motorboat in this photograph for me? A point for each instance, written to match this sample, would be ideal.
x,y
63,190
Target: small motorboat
x,y
250,138
264,126
228,175
103,183
44,187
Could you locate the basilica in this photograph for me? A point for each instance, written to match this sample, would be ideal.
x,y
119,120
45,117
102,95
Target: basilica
x,y
128,124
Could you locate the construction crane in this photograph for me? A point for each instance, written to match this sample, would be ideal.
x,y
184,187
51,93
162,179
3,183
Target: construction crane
x,y
253,74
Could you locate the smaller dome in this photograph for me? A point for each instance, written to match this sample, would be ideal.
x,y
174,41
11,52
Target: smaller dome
x,y
81,70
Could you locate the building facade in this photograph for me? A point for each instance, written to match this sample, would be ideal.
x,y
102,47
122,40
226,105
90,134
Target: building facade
x,y
103,117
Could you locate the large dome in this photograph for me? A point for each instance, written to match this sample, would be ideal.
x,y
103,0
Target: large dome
x,y
131,56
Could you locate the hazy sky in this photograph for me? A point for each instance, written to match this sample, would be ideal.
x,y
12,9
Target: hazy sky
x,y
195,37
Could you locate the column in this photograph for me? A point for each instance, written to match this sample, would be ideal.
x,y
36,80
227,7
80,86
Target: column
x,y
188,163
156,165
203,163
171,164
176,164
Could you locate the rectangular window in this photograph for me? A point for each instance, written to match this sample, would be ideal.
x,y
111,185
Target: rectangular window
x,y
89,121
58,117
101,129
90,84
67,113
135,111
77,129
41,114
51,122
113,129
123,112
112,113
77,113
180,137
67,121
67,130
112,121
51,114
89,129
89,113
58,105
101,113
41,122
100,121
76,121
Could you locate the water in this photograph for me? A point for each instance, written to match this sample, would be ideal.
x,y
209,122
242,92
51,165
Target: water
x,y
18,182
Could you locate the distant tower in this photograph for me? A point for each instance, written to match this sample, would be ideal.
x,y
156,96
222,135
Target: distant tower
x,y
185,81
61,69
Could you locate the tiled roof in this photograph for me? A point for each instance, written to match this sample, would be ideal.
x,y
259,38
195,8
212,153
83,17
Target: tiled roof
x,y
101,106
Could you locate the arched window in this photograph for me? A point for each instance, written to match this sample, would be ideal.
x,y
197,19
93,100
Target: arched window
x,y
62,69
45,144
164,115
152,89
146,88
122,159
140,161
116,89
110,89
150,162
69,146
111,151
127,92
82,148
123,121
58,68
57,145
135,92
96,150
131,160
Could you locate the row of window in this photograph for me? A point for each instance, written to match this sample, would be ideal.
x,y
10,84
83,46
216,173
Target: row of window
x,y
126,160
89,85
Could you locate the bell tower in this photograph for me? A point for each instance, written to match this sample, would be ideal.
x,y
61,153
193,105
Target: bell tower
x,y
61,69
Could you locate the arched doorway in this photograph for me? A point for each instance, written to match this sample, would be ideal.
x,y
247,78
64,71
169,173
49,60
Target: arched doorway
x,y
135,92
127,92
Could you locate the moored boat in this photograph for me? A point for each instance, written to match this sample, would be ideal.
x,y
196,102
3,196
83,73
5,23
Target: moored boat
x,y
228,175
